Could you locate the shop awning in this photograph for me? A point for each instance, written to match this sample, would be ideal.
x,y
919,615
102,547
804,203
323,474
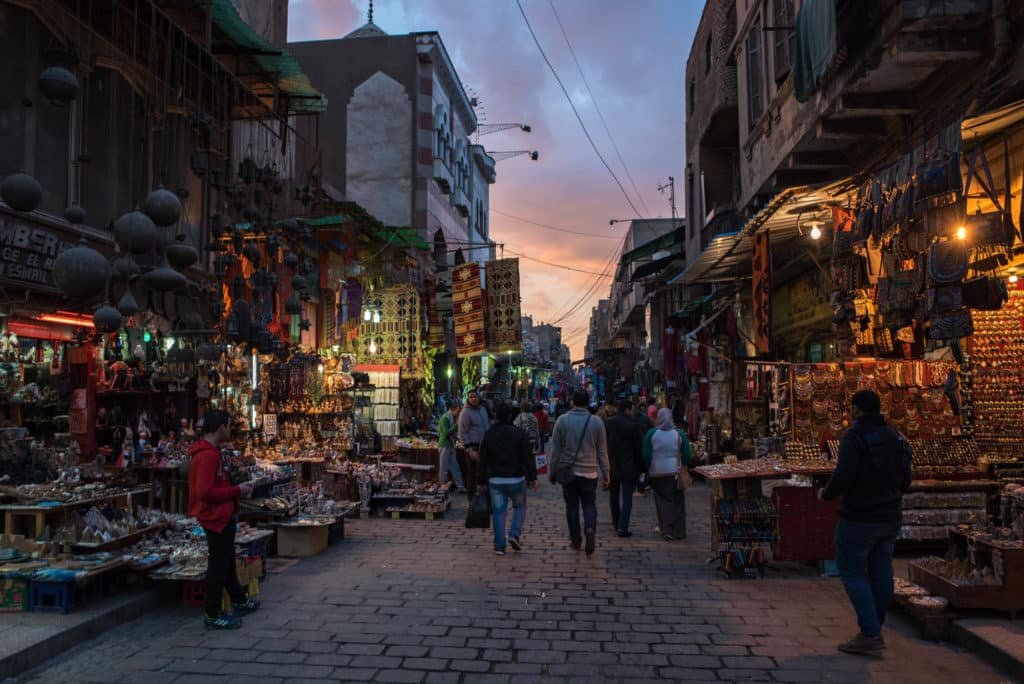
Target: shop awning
x,y
651,268
286,75
658,244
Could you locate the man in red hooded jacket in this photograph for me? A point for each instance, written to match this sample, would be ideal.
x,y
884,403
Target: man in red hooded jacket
x,y
213,501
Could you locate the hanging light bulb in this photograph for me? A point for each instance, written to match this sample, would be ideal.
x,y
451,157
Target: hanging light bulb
x,y
815,232
376,316
1012,278
367,315
373,346
961,233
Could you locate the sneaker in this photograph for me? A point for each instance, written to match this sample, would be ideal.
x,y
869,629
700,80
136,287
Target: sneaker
x,y
589,534
862,644
657,531
499,552
668,538
222,621
243,608
625,533
515,543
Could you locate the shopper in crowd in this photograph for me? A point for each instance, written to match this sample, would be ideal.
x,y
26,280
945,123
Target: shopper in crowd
x,y
579,460
507,468
666,453
527,422
625,455
473,423
607,410
543,424
447,429
213,501
643,425
872,476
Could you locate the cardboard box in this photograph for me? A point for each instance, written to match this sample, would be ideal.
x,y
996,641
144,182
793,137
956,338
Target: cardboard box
x,y
300,542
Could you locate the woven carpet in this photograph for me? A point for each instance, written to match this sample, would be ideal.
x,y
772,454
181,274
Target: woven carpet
x,y
504,327
468,303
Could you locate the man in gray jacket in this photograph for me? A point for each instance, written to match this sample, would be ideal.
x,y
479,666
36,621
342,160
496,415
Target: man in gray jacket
x,y
580,438
473,423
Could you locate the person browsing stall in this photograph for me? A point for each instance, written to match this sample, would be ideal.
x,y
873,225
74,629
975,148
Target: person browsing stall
x,y
872,475
507,468
625,455
473,423
447,427
213,502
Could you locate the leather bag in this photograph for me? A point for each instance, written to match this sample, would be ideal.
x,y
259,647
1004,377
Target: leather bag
x,y
947,262
985,293
951,326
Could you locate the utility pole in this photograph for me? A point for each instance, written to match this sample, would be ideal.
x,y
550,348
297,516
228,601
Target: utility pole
x,y
671,186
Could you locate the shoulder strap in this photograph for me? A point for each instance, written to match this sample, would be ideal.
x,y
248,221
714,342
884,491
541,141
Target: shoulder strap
x,y
583,433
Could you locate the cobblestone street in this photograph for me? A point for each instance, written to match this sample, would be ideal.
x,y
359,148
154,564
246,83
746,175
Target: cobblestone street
x,y
418,601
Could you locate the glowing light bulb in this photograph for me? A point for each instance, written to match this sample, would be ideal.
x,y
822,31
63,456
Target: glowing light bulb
x,y
376,316
373,346
815,233
320,368
961,233
1012,278
366,315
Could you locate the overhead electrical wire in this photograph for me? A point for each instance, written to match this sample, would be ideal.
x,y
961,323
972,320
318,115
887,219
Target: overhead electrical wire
x,y
551,263
575,111
590,291
550,227
600,114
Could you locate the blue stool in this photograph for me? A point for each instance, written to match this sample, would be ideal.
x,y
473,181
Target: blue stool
x,y
52,597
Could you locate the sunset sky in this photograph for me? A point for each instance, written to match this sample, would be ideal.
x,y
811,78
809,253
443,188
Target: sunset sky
x,y
633,55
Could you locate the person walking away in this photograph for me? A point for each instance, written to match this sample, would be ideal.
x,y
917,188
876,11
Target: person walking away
x,y
527,422
579,459
213,501
507,468
625,456
473,423
543,424
643,425
666,452
447,428
871,478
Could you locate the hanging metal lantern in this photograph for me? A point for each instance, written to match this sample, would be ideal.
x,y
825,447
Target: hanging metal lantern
x,y
107,319
252,253
220,266
218,225
305,324
304,295
21,192
181,254
128,306
291,260
125,268
237,240
163,278
135,232
81,271
273,243
74,214
293,306
163,206
58,85
298,282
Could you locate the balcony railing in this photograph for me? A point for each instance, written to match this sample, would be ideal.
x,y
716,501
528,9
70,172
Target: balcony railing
x,y
722,221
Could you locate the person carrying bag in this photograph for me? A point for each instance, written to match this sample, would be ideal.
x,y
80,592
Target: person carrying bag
x,y
667,453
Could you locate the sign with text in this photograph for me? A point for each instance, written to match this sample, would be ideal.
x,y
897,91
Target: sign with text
x,y
28,251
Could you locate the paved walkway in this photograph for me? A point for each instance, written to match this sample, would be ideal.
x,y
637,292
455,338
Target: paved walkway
x,y
417,601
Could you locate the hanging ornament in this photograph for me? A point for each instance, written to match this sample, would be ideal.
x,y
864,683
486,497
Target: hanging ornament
x,y
247,171
181,254
125,268
305,324
163,206
163,278
21,191
237,240
135,232
74,214
252,253
293,307
291,260
58,85
128,306
81,271
107,319
298,282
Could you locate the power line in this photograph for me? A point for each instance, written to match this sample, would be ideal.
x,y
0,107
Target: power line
x,y
575,111
590,292
549,227
600,114
550,263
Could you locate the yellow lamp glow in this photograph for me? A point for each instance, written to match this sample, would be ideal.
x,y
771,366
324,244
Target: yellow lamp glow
x,y
961,233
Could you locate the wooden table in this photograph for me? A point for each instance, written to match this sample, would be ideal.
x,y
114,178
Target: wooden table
x,y
38,515
163,475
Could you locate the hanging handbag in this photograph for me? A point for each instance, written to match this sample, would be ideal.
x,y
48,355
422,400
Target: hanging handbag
x,y
478,516
562,470
947,262
944,299
992,227
951,326
939,177
985,293
883,340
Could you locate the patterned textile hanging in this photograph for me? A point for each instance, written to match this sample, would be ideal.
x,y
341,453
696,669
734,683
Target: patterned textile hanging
x,y
504,326
468,303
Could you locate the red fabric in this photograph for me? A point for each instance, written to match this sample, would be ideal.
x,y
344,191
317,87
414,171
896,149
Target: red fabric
x,y
212,499
542,419
670,353
704,395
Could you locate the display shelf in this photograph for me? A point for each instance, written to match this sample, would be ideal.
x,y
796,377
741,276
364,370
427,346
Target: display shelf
x,y
119,543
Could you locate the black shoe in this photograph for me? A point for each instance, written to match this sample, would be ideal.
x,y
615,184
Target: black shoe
x,y
576,546
515,543
222,621
589,534
625,533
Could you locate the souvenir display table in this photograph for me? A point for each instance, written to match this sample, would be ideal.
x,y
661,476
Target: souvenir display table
x,y
31,519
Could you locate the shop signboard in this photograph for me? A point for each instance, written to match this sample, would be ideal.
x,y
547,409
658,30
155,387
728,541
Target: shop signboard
x,y
29,248
801,303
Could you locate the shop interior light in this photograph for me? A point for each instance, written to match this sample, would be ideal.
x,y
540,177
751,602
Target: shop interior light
x,y
66,319
1012,278
448,372
961,233
367,315
376,316
147,337
815,232
373,346
320,368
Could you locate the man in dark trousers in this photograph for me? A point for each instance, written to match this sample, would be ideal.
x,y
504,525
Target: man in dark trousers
x,y
507,469
213,501
473,423
872,475
626,457
643,424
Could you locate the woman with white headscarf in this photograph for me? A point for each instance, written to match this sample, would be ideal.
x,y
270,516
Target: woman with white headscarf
x,y
667,452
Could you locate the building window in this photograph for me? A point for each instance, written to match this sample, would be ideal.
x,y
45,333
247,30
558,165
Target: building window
x,y
785,37
707,55
755,75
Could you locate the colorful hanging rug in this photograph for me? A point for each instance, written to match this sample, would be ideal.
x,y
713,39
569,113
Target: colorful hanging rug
x,y
468,304
504,325
397,338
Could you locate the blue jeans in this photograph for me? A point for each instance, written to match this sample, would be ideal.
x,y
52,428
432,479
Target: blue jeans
x,y
450,462
501,495
864,557
580,491
620,495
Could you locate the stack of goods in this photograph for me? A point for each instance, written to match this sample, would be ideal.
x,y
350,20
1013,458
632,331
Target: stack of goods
x,y
387,406
997,378
799,455
964,571
927,516
757,467
745,532
936,457
66,492
111,525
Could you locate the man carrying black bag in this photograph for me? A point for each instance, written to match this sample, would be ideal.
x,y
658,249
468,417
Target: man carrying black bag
x,y
579,458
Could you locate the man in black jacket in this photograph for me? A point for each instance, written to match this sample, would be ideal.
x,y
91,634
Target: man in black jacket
x,y
626,456
872,475
507,468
